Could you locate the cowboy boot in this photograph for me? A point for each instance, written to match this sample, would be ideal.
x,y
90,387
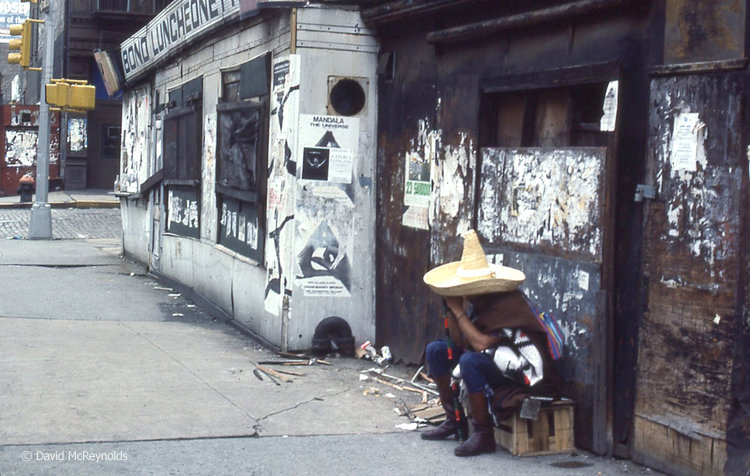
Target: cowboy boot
x,y
449,427
482,440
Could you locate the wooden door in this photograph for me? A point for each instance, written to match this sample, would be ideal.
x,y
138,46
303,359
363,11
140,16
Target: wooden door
x,y
543,210
691,247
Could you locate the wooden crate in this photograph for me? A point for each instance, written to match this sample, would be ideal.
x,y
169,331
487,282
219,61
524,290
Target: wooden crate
x,y
550,433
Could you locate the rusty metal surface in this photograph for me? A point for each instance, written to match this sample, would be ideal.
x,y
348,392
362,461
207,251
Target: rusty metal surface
x,y
692,239
704,31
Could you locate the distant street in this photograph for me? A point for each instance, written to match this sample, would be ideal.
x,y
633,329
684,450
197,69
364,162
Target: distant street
x,y
67,223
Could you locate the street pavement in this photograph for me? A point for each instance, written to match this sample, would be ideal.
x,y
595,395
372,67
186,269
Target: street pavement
x,y
105,370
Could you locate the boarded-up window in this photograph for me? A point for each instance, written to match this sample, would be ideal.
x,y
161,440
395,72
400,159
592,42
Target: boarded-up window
x,y
242,129
239,136
550,117
182,146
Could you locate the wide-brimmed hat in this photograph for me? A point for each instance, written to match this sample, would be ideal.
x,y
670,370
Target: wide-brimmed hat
x,y
473,274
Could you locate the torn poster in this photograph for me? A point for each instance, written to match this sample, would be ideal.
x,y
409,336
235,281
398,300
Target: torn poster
x,y
417,190
329,146
20,147
685,137
77,134
609,108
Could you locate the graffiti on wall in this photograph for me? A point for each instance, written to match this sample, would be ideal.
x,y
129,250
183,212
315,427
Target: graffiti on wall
x,y
182,212
136,114
20,147
282,172
77,134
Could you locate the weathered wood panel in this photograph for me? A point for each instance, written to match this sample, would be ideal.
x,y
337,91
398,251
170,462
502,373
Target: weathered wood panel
x,y
691,264
541,210
403,302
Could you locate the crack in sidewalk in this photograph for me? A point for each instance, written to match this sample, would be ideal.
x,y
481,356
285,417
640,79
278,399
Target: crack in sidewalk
x,y
258,426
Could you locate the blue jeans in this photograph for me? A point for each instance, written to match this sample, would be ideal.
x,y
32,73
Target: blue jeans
x,y
477,369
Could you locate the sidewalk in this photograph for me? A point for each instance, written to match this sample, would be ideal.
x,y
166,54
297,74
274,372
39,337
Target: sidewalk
x,y
106,370
91,198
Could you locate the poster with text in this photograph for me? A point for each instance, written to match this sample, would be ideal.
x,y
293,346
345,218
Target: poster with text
x,y
328,147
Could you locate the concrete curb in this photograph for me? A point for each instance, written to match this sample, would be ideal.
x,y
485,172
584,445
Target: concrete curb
x,y
71,204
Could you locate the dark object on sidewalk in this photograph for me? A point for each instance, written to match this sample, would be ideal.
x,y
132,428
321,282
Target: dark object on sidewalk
x,y
26,187
333,333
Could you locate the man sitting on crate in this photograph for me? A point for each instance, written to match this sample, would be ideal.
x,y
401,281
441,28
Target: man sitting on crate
x,y
497,340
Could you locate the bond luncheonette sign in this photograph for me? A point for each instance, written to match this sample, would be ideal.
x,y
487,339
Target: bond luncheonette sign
x,y
178,24
170,29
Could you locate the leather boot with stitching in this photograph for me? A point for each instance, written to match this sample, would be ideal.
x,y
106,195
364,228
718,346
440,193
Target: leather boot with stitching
x,y
482,440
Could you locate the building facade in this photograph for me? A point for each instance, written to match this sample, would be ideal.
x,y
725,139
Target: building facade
x,y
248,161
599,146
290,163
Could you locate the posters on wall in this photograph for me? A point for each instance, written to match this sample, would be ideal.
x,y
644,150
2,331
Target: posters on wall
x,y
209,172
238,227
688,137
136,114
183,213
609,108
20,147
323,267
328,147
416,191
282,178
77,135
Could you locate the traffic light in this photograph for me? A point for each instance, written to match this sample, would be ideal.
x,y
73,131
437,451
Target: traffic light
x,y
22,45
70,95
27,1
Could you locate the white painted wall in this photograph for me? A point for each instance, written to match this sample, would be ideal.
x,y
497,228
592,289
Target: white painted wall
x,y
331,42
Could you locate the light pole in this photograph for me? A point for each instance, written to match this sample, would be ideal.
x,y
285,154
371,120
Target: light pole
x,y
40,226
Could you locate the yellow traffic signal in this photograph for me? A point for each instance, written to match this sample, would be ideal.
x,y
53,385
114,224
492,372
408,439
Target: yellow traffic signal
x,y
27,1
56,94
82,97
22,45
70,95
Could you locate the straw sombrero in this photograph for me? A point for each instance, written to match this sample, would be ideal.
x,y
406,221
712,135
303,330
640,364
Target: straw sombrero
x,y
472,275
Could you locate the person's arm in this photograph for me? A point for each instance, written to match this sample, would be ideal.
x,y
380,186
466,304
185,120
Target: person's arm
x,y
459,322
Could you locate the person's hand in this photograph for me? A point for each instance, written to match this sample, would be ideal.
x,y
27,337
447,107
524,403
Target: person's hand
x,y
455,304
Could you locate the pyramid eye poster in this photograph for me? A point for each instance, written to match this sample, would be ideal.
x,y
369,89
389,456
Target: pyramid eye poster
x,y
328,147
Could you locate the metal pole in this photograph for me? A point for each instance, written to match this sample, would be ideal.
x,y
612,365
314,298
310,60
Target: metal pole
x,y
41,213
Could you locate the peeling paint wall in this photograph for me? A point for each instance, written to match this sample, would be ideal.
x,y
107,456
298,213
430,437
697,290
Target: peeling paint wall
x,y
451,206
550,199
208,176
20,147
692,244
540,210
136,117
77,134
282,164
